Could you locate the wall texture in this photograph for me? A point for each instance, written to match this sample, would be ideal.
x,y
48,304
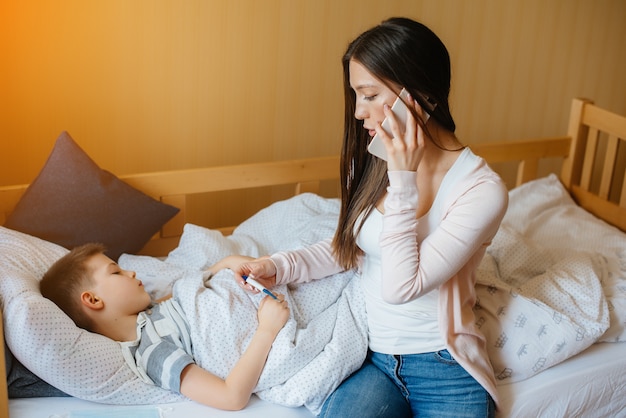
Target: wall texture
x,y
149,85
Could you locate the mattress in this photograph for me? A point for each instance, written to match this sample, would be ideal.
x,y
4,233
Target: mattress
x,y
66,407
590,384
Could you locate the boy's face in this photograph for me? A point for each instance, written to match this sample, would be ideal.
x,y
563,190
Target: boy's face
x,y
118,289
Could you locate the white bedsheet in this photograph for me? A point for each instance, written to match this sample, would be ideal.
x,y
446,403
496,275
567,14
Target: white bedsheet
x,y
63,407
591,385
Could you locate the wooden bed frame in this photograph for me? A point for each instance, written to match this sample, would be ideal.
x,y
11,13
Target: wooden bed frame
x,y
593,170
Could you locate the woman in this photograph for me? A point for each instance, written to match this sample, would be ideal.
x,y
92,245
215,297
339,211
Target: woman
x,y
415,227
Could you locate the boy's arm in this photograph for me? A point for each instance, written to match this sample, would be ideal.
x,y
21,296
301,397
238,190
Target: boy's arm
x,y
234,392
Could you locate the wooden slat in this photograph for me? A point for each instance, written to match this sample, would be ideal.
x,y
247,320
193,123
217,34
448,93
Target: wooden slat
x,y
605,121
622,200
526,171
610,157
572,166
590,153
175,226
308,187
497,152
528,153
235,177
608,211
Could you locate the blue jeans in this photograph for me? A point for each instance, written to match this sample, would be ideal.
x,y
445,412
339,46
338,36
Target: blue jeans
x,y
422,385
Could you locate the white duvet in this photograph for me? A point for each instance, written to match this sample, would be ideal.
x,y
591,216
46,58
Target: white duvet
x,y
325,339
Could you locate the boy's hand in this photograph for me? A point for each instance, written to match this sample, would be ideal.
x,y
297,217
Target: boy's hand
x,y
273,314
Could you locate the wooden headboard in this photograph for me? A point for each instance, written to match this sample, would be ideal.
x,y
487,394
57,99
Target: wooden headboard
x,y
591,130
595,169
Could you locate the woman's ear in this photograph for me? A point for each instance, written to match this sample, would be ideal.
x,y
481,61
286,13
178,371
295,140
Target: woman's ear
x,y
91,301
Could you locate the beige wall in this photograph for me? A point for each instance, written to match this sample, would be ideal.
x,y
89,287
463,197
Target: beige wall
x,y
147,85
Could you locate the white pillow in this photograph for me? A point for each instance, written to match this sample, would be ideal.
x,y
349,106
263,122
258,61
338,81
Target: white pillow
x,y
537,307
543,212
552,264
47,342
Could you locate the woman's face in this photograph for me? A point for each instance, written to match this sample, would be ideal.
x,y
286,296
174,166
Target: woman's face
x,y
371,95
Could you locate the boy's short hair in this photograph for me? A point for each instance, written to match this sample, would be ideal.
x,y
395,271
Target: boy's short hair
x,y
67,278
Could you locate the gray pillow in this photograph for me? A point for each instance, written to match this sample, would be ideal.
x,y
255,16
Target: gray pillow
x,y
22,383
73,201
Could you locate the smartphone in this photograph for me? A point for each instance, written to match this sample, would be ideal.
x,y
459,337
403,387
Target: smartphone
x,y
376,146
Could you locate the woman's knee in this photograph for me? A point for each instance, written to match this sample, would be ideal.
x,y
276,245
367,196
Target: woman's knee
x,y
366,393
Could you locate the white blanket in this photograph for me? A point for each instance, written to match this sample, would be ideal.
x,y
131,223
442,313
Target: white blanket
x,y
324,341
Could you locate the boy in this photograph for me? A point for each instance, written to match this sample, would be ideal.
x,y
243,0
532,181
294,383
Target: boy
x,y
101,297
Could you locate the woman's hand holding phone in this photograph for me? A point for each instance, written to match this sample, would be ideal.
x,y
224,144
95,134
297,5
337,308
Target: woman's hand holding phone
x,y
399,136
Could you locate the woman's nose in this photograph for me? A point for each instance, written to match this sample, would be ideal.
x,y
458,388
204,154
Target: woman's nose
x,y
359,112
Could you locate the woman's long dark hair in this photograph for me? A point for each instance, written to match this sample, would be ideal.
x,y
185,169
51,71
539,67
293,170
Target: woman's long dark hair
x,y
401,51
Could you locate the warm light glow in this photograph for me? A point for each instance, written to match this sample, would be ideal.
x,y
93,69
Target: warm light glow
x,y
149,85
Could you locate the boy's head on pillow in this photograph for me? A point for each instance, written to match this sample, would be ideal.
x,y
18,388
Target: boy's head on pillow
x,y
88,286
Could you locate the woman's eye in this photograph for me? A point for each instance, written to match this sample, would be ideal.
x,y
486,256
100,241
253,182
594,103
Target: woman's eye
x,y
369,98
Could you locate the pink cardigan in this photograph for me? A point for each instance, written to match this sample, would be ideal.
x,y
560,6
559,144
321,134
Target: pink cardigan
x,y
467,212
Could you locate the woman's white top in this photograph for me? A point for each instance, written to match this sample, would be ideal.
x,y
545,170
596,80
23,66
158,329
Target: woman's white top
x,y
407,328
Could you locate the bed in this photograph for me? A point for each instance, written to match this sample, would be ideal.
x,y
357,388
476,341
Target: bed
x,y
554,313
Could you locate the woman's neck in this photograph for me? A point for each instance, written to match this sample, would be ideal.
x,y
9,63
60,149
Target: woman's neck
x,y
441,152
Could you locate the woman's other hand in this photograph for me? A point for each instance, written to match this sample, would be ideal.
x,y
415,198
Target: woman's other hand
x,y
231,262
262,269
